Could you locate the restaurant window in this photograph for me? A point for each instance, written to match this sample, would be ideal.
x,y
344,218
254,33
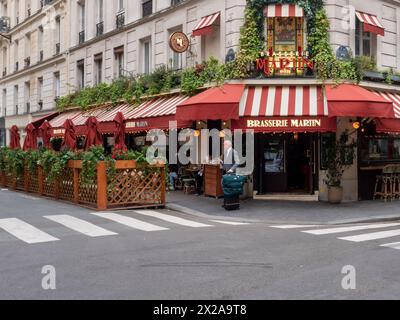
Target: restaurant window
x,y
285,43
364,41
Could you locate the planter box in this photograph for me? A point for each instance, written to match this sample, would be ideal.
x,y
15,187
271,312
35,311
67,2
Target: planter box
x,y
125,164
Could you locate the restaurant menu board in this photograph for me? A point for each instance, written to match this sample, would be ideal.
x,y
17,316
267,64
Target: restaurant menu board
x,y
274,156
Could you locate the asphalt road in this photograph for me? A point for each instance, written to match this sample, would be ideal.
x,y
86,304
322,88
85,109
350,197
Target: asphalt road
x,y
98,258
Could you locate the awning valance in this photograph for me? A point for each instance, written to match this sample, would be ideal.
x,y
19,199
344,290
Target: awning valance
x,y
391,97
370,23
283,10
219,103
348,100
283,101
205,25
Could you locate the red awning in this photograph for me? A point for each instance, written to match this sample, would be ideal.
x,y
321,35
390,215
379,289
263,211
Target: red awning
x,y
205,25
283,101
348,100
370,23
389,125
59,121
283,10
219,103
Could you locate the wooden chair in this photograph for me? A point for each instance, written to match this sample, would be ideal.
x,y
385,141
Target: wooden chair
x,y
384,184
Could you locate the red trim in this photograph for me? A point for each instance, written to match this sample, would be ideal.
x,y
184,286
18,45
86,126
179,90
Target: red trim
x,y
202,32
374,29
326,124
161,123
388,125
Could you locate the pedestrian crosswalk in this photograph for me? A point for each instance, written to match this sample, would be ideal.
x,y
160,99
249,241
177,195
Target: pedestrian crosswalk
x,y
104,225
353,233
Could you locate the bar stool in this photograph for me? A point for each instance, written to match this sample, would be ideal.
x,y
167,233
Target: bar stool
x,y
384,185
396,183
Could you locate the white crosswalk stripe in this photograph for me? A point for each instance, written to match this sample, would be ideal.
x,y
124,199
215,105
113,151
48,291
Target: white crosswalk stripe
x,y
30,234
129,222
295,226
395,245
25,232
80,226
172,219
372,236
352,228
232,223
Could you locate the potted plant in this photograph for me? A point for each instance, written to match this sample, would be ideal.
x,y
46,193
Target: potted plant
x,y
340,156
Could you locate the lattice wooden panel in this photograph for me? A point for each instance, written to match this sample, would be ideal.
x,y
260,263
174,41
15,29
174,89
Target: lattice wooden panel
x,y
67,185
49,188
135,187
88,192
21,183
34,182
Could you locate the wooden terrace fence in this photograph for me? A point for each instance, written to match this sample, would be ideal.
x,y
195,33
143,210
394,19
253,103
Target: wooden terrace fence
x,y
133,186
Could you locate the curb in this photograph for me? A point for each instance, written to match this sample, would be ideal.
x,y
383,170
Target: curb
x,y
185,210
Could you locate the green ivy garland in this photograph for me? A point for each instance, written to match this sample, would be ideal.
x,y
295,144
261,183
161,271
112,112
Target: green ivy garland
x,y
252,41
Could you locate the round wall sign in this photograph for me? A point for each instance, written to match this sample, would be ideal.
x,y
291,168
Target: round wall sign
x,y
179,42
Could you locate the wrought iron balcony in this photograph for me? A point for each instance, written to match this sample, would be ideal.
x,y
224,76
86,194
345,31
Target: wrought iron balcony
x,y
99,29
120,20
82,37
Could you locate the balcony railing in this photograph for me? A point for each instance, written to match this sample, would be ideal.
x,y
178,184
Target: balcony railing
x,y
82,37
99,29
147,8
120,20
58,48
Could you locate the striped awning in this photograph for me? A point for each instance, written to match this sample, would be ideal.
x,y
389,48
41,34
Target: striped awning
x,y
205,25
158,107
391,97
58,122
370,23
283,10
283,101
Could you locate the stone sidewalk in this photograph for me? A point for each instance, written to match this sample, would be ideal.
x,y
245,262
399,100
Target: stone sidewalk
x,y
285,212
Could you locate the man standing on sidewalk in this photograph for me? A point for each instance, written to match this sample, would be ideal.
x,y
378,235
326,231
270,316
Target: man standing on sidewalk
x,y
230,159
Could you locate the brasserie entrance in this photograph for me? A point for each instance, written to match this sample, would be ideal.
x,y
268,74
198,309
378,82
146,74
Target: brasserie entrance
x,y
287,163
